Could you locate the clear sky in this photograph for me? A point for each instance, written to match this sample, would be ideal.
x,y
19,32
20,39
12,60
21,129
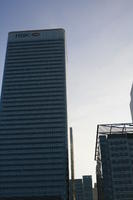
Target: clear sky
x,y
99,38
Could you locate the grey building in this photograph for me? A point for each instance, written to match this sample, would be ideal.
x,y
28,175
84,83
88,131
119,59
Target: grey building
x,y
33,117
114,155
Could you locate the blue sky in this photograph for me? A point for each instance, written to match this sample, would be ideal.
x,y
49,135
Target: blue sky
x,y
99,40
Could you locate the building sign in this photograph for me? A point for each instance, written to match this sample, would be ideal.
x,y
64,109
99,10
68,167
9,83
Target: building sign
x,y
25,35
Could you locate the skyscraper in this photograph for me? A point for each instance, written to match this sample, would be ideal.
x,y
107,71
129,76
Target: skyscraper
x,y
114,155
33,117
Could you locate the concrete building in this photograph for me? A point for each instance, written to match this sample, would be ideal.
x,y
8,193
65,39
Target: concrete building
x,y
33,117
114,155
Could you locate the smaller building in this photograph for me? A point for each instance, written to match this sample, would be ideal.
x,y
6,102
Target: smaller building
x,y
83,188
87,188
78,189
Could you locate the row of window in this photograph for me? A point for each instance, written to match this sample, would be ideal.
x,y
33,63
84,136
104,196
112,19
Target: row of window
x,y
35,53
34,56
117,148
43,65
35,43
29,126
32,73
13,101
32,133
31,121
122,196
118,142
122,175
120,168
25,186
36,70
29,52
32,141
32,47
33,116
25,147
32,161
25,151
34,87
56,41
34,59
42,104
32,171
120,161
48,108
34,78
119,154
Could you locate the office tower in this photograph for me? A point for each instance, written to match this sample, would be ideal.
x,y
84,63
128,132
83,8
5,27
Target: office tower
x,y
114,155
72,192
33,117
87,188
131,102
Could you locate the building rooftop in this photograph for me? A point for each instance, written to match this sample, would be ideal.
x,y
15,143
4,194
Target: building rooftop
x,y
109,129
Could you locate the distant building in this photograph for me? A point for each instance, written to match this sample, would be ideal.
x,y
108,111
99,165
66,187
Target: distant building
x,y
78,189
131,102
114,155
83,188
33,117
87,188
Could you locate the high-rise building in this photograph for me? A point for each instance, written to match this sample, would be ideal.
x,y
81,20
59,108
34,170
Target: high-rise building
x,y
33,117
131,102
114,155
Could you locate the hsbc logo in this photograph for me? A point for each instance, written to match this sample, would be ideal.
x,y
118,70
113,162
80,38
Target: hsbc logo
x,y
35,34
25,35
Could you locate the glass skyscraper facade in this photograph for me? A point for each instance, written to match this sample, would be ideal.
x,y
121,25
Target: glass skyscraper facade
x,y
33,117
